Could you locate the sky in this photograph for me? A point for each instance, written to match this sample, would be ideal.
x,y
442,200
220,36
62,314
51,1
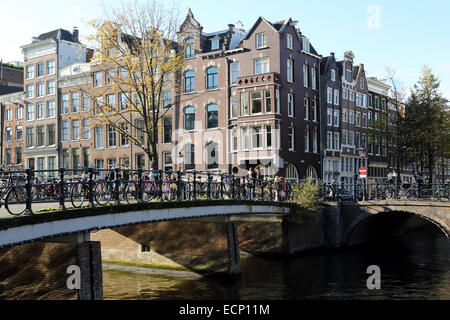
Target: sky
x,y
402,35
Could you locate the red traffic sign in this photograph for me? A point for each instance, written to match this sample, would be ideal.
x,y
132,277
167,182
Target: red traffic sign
x,y
362,171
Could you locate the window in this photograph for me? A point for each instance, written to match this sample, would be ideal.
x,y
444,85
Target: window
x,y
256,102
167,102
19,113
351,95
268,100
65,103
361,83
65,130
75,101
291,139
269,136
51,87
344,115
85,132
124,134
18,156
330,117
40,108
19,133
86,157
30,112
329,141
40,135
167,157
336,141
189,156
234,72
167,127
40,69
111,101
212,78
333,75
30,91
306,140
110,76
315,139
40,89
291,107
8,134
313,78
358,119
234,140
9,114
51,67
75,130
30,137
189,49
111,136
76,159
51,109
212,116
289,41
244,103
344,137
244,138
370,100
314,108
336,118
214,44
383,104
345,93
290,70
86,102
98,79
291,172
351,116
358,139
234,108
348,75
364,115
256,137
189,118
51,134
140,135
305,43
330,95
336,97
261,65
306,105
351,138
261,40
305,76
30,72
189,81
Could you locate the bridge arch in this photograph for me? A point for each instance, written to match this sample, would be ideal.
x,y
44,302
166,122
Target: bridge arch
x,y
368,227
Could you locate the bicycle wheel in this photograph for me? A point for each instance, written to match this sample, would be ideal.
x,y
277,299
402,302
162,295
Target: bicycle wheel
x,y
78,194
16,200
103,193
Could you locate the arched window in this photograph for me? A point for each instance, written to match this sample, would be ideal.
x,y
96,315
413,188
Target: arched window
x,y
212,116
212,76
291,172
189,49
189,118
212,155
189,81
311,173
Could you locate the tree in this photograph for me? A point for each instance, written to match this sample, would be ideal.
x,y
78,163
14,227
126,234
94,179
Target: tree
x,y
427,122
390,126
136,49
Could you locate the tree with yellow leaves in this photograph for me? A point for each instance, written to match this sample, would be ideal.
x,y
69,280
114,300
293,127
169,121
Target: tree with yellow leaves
x,y
136,60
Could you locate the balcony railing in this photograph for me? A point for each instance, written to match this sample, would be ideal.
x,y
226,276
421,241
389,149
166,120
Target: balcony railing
x,y
258,79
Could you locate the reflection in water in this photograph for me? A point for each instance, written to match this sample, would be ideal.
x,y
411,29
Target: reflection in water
x,y
414,267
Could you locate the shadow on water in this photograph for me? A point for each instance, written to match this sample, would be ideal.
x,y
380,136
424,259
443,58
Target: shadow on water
x,y
412,267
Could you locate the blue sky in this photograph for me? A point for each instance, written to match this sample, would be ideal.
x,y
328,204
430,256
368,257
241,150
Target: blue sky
x,y
400,34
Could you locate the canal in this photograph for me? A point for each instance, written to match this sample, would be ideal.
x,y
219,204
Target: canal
x,y
413,267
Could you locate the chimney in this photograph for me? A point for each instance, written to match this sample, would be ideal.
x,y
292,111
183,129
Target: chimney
x,y
332,54
75,34
230,27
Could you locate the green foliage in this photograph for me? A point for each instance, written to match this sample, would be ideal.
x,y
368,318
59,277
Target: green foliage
x,y
307,195
9,65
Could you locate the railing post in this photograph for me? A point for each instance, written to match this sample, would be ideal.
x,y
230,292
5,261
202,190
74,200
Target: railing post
x,y
221,186
232,187
140,186
91,188
178,186
62,187
159,176
208,187
271,190
396,189
117,186
195,186
28,187
376,190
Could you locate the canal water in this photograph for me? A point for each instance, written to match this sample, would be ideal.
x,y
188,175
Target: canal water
x,y
414,267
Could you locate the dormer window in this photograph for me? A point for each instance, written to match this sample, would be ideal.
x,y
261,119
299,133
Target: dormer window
x,y
361,83
189,50
261,40
289,41
305,42
333,75
214,44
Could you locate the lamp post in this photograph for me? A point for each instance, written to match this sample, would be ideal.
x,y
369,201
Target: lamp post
x,y
362,155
